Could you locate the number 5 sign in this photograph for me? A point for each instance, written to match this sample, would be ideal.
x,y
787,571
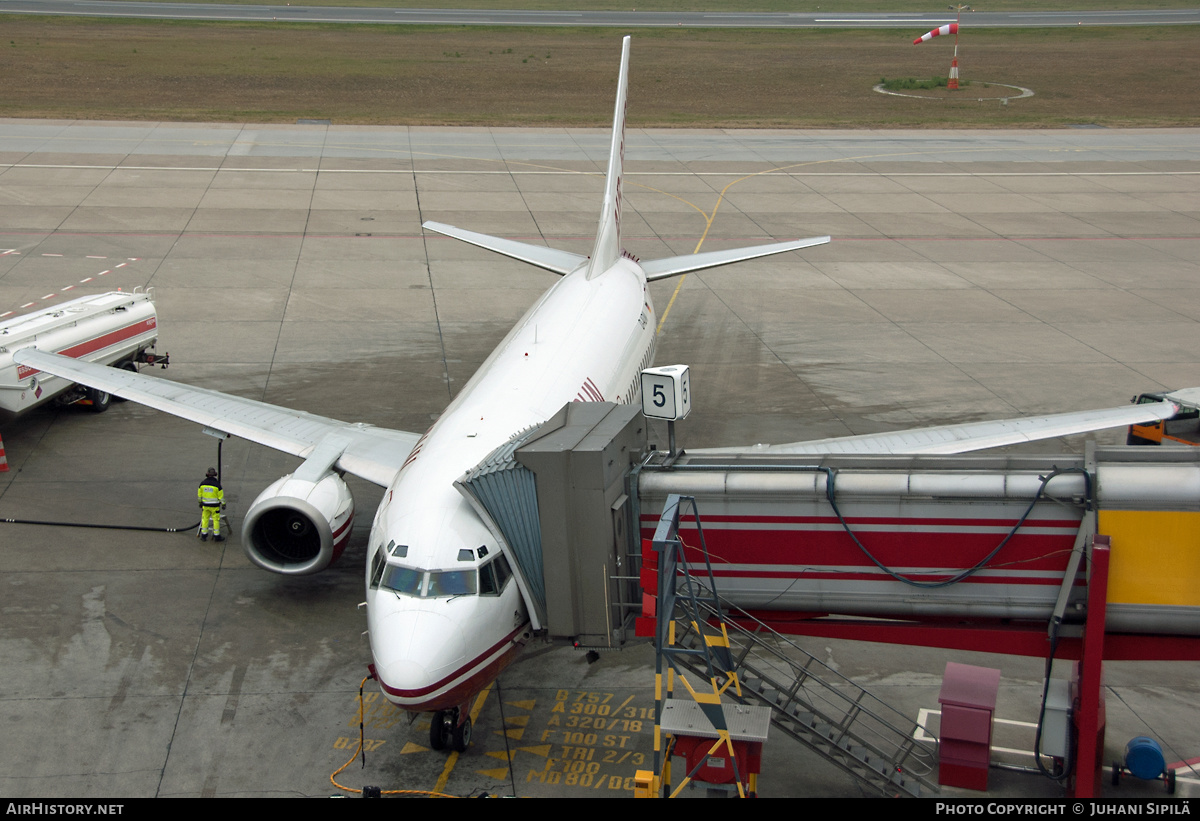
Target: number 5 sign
x,y
667,392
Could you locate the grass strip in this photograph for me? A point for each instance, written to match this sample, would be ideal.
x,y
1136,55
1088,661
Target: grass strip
x,y
106,70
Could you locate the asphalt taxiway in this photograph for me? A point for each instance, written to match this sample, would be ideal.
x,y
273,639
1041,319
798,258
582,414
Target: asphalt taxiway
x,y
972,275
576,17
288,13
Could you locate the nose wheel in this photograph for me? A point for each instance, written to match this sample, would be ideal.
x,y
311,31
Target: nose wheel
x,y
450,728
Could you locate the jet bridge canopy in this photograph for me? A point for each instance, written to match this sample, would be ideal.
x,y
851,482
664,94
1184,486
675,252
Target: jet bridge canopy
x,y
555,497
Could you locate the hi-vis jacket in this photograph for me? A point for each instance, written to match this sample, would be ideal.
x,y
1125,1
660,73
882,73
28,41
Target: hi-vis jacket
x,y
210,493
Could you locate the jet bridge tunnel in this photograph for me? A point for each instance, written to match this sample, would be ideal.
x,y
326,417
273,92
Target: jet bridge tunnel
x,y
1076,557
817,542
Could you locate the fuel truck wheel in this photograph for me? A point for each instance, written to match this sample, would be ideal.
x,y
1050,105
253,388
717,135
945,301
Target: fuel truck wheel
x,y
127,365
100,400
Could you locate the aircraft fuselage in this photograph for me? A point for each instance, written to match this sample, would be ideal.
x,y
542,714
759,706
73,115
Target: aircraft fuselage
x,y
433,645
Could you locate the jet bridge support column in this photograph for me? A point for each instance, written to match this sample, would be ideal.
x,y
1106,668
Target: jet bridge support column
x,y
1090,718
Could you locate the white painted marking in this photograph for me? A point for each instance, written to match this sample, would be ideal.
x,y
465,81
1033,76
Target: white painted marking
x,y
925,713
27,305
52,255
49,296
904,20
89,279
515,173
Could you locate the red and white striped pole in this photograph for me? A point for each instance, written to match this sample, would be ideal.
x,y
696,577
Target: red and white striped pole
x,y
949,28
952,83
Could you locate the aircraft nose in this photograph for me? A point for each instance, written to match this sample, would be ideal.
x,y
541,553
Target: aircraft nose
x,y
415,650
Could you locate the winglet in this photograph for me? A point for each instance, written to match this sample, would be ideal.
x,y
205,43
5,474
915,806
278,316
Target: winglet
x,y
608,237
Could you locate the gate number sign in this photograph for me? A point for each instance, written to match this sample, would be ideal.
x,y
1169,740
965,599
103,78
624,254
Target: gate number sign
x,y
667,392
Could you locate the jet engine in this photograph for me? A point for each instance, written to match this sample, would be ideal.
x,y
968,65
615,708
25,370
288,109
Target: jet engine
x,y
297,526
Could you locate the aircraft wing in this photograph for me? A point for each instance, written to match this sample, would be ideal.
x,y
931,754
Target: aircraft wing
x,y
375,454
560,262
969,436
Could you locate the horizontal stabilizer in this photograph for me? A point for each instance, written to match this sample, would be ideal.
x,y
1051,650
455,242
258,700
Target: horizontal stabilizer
x,y
674,266
374,454
967,437
560,262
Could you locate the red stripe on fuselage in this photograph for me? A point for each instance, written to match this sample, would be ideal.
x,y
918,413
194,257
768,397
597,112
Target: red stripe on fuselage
x,y
416,701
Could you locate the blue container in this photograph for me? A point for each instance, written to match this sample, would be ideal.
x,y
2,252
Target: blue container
x,y
1144,758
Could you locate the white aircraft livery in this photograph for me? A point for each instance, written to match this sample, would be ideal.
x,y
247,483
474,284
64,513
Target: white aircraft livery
x,y
444,613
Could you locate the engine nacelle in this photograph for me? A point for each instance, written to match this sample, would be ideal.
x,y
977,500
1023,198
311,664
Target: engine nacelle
x,y
297,527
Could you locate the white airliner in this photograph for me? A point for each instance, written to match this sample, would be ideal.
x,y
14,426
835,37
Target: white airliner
x,y
444,614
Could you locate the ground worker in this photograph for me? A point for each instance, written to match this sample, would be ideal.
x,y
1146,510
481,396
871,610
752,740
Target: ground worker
x,y
212,502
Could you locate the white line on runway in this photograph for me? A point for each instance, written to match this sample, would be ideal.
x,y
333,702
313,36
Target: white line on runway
x,y
568,172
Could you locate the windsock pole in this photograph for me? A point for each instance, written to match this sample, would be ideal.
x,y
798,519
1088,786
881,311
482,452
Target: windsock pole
x,y
949,28
952,83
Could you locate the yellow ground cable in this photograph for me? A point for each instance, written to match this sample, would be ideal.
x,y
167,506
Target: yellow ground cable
x,y
333,776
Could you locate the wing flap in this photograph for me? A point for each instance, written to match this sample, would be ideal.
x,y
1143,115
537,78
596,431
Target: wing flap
x,y
560,262
375,454
969,436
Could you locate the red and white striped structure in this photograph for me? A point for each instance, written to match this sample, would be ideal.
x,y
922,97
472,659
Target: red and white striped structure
x,y
3,458
913,526
949,28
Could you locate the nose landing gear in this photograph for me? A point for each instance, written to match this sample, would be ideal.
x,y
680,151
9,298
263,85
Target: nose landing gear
x,y
450,728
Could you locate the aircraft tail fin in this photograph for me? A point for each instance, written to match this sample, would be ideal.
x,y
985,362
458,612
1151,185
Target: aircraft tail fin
x,y
607,249
608,238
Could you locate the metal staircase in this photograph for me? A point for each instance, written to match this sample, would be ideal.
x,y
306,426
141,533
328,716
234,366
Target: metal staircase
x,y
750,663
820,708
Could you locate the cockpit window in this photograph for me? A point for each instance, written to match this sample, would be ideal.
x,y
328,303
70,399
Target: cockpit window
x,y
428,584
493,576
450,583
403,580
378,563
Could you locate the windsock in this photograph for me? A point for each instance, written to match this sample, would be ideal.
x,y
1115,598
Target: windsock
x,y
949,28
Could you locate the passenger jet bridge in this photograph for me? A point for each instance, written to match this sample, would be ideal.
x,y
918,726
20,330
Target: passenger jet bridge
x,y
1084,557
